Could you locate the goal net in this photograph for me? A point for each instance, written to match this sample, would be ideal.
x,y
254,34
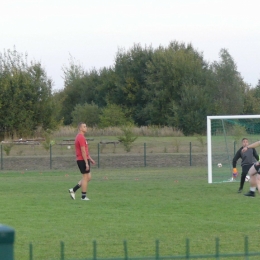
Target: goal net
x,y
224,138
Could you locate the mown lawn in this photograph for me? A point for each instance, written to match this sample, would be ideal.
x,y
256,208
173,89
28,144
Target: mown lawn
x,y
138,205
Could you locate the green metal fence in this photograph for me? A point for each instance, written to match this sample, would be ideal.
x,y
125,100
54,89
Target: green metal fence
x,y
23,157
246,254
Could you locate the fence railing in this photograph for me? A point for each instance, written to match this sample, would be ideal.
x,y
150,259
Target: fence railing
x,y
62,156
246,254
7,250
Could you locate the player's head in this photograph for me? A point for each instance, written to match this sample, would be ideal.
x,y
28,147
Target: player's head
x,y
245,142
82,127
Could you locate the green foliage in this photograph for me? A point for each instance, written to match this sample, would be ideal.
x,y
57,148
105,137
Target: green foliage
x,y
202,141
88,113
127,138
130,80
189,114
169,72
176,144
166,86
26,98
252,100
113,115
227,87
7,148
238,132
48,141
85,87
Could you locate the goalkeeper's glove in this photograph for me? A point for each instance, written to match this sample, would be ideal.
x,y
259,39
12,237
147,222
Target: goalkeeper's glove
x,y
235,173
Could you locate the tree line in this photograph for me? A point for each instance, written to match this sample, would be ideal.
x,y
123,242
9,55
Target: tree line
x,y
168,86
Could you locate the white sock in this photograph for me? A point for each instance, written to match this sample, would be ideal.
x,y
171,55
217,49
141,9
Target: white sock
x,y
252,189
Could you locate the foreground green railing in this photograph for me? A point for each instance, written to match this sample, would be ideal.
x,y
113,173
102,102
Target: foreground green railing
x,y
217,255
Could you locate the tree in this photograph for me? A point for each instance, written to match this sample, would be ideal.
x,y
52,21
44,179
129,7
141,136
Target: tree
x,y
72,92
128,137
87,113
251,100
130,80
85,87
227,87
191,112
113,115
26,98
170,70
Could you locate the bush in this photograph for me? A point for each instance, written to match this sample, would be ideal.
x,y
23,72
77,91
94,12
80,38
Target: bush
x,y
128,138
113,115
87,113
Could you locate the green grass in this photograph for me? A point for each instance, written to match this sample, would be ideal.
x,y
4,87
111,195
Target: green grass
x,y
137,205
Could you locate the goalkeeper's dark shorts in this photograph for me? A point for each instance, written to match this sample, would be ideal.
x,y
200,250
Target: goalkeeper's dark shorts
x,y
257,167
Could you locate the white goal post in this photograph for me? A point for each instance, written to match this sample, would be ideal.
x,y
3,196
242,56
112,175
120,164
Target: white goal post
x,y
209,136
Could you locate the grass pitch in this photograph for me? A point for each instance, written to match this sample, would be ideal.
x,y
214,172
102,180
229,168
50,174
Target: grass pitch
x,y
138,205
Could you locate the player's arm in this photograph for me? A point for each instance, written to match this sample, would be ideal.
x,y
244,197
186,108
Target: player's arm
x,y
91,160
234,162
236,157
84,155
253,145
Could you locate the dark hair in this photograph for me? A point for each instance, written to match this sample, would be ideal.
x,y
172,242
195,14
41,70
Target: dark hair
x,y
244,139
80,124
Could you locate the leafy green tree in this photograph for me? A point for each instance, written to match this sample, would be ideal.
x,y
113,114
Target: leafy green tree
x,y
113,115
257,89
130,80
158,87
88,113
128,137
85,87
72,92
228,86
169,71
26,97
251,100
191,112
58,99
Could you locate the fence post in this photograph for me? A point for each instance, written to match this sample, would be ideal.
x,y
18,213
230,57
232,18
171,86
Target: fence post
x,y
144,154
2,164
31,251
98,154
94,250
50,156
190,156
246,248
217,248
125,250
6,242
62,250
157,249
187,248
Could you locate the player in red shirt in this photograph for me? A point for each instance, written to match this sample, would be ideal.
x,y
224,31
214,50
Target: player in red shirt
x,y
83,160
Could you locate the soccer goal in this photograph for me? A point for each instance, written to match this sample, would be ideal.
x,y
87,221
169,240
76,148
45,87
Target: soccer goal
x,y
224,138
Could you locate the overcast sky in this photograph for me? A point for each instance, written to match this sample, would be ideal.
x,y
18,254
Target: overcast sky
x,y
93,30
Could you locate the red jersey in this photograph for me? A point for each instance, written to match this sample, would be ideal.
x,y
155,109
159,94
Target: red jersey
x,y
80,141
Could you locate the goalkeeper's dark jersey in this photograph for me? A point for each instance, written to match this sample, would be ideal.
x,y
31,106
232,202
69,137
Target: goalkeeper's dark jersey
x,y
248,157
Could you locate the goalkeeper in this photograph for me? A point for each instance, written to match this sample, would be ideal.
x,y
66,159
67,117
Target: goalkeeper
x,y
248,159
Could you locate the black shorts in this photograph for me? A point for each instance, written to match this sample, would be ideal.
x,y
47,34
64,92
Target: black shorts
x,y
82,166
257,167
245,168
